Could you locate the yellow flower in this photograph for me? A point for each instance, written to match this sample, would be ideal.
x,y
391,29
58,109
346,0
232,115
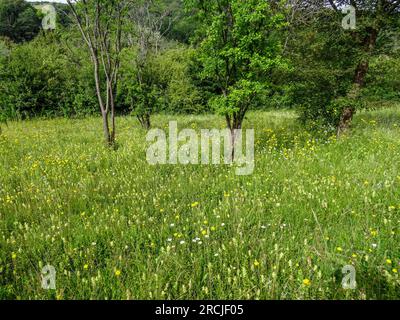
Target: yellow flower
x,y
117,273
339,249
194,204
256,263
374,233
86,266
388,261
13,255
213,228
204,232
394,270
307,282
354,255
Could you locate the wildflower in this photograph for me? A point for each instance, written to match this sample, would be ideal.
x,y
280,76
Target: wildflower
x,y
204,232
394,270
354,255
117,273
195,204
213,228
391,208
339,249
256,263
374,233
13,255
374,245
307,282
388,261
86,266
182,242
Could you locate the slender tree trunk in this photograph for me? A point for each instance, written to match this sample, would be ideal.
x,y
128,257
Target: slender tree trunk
x,y
144,120
106,130
234,122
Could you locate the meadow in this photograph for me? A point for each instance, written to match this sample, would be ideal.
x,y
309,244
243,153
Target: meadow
x,y
115,227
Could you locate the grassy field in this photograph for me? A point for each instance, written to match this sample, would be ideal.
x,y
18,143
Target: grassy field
x,y
115,227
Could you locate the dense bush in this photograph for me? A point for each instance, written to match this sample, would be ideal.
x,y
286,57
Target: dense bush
x,y
166,84
38,78
383,80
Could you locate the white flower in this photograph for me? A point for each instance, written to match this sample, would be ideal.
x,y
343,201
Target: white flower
x,y
169,239
182,242
374,245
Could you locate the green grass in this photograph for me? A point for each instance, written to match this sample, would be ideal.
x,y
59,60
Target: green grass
x,y
312,206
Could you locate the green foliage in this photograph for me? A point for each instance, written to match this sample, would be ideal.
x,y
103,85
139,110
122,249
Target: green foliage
x,y
161,84
239,50
383,80
332,66
37,79
139,91
324,60
18,20
182,96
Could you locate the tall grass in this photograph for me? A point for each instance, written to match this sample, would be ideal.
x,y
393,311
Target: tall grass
x,y
115,227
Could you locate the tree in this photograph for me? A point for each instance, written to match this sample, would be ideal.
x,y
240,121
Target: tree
x,y
18,20
373,17
152,21
140,88
101,25
239,50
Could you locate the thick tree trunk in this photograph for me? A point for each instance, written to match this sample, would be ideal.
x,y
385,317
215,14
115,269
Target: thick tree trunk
x,y
358,81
